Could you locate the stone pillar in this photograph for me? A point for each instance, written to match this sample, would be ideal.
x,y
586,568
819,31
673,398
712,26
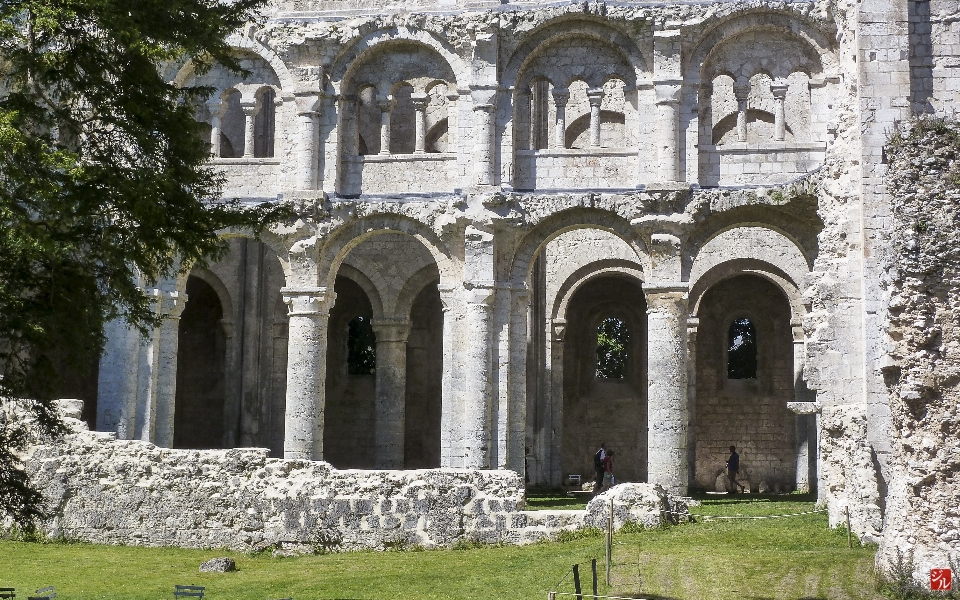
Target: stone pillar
x,y
309,309
668,129
420,103
215,107
556,329
453,121
595,97
806,440
385,104
390,408
779,91
451,382
484,109
742,92
250,110
308,118
167,342
667,388
476,379
517,380
560,98
349,126
117,380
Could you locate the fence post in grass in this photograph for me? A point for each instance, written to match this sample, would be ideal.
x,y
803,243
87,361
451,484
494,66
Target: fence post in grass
x,y
576,582
593,567
609,541
552,596
849,533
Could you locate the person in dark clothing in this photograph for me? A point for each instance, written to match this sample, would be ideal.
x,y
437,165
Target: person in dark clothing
x,y
733,469
598,465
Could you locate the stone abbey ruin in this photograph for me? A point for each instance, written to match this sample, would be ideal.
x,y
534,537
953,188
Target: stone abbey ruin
x,y
527,228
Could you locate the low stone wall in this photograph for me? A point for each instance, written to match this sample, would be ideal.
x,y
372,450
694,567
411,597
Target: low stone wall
x,y
110,491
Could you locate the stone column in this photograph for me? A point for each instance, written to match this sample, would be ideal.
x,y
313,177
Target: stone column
x,y
117,381
451,380
385,104
232,384
556,329
309,309
806,440
215,107
484,109
595,97
476,379
667,388
420,103
349,126
390,407
167,340
308,118
779,91
453,121
250,110
517,379
668,129
742,92
560,98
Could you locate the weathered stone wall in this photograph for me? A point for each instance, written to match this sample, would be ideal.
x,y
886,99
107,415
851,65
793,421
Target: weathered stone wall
x,y
102,490
922,366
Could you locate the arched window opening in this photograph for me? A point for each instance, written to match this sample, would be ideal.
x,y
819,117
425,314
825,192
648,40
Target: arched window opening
x,y
612,341
231,126
264,124
361,347
742,350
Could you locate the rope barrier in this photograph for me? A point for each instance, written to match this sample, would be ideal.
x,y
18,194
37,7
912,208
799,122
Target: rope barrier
x,y
745,517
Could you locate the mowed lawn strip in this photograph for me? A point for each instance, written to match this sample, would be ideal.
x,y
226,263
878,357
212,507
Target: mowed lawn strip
x,y
791,558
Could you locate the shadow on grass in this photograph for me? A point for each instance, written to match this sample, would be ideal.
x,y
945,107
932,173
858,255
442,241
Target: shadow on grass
x,y
744,498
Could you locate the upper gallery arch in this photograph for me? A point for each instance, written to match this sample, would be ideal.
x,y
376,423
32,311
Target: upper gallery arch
x,y
796,46
386,57
599,51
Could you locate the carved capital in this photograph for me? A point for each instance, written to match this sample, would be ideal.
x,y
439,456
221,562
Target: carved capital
x,y
420,102
308,301
595,96
779,90
391,330
741,91
561,96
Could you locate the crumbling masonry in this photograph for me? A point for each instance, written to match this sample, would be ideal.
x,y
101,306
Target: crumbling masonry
x,y
482,187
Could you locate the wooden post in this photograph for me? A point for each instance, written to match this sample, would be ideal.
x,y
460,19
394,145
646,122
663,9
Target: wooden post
x,y
576,582
593,567
552,596
609,540
849,533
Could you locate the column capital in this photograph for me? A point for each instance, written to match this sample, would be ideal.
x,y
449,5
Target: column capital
x,y
391,330
741,91
250,108
595,96
667,91
307,301
170,304
561,96
420,101
779,89
307,104
385,103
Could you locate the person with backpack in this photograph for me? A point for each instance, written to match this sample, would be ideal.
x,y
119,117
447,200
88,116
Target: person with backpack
x,y
599,466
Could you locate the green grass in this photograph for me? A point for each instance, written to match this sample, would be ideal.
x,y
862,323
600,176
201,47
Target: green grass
x,y
555,500
793,559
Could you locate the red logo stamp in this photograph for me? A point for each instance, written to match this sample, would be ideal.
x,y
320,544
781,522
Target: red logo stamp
x,y
941,580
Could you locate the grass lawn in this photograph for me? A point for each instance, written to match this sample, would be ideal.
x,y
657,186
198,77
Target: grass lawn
x,y
794,558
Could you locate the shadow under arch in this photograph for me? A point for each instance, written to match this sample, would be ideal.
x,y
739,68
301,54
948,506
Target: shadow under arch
x,y
748,266
603,268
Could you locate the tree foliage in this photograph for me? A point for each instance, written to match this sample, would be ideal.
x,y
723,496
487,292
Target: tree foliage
x,y
612,341
104,183
742,350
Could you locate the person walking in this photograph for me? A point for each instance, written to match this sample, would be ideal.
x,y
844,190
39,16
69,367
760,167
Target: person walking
x,y
733,469
598,466
608,480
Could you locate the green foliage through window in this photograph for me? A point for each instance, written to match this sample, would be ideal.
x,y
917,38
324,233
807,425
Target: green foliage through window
x,y
612,341
361,347
742,350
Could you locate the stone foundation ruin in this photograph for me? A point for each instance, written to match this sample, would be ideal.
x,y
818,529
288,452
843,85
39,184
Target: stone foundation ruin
x,y
527,228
